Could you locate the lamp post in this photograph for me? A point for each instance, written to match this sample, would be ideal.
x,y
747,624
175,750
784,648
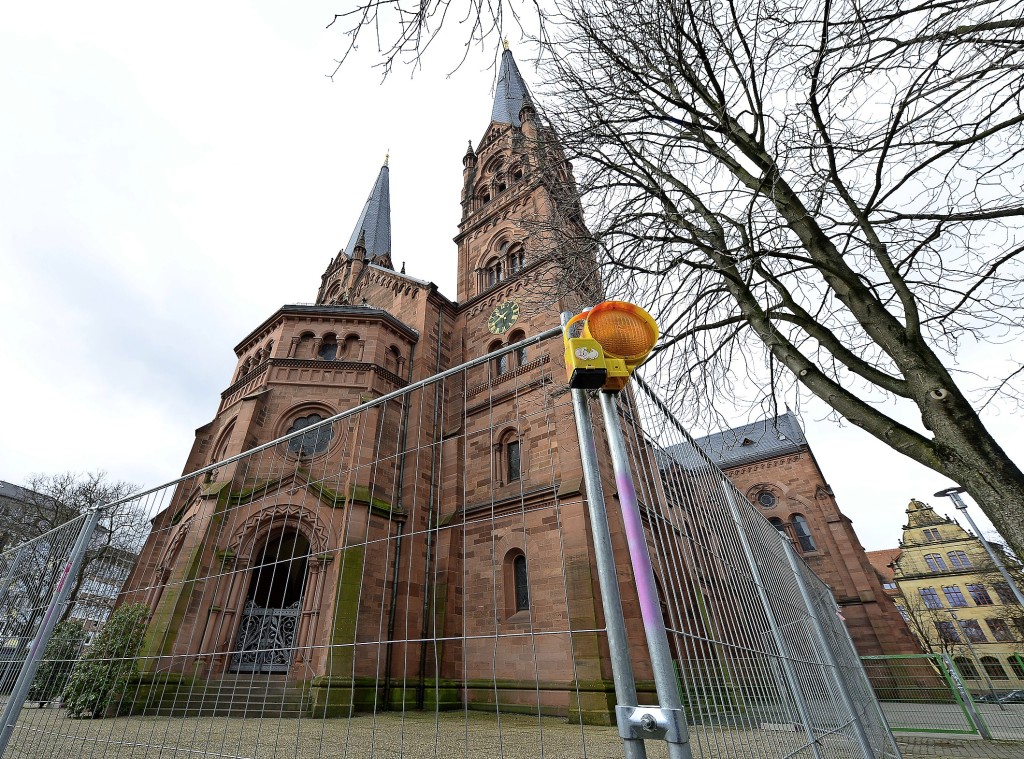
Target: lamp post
x,y
954,495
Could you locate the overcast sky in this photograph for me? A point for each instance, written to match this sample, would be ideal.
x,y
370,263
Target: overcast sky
x,y
170,176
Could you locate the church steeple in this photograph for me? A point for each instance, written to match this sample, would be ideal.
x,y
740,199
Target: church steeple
x,y
374,223
510,94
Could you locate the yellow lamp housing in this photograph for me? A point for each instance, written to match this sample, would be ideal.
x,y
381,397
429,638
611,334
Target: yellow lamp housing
x,y
584,359
616,338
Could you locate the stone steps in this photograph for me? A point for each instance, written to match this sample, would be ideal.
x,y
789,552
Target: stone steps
x,y
234,697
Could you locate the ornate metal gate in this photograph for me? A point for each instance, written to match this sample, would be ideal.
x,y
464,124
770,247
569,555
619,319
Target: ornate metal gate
x,y
266,639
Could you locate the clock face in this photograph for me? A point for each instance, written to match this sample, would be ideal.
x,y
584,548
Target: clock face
x,y
503,317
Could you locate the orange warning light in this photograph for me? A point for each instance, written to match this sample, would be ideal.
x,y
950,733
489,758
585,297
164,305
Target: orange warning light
x,y
616,338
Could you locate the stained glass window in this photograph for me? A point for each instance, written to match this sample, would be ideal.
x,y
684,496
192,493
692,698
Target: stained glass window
x,y
313,441
512,460
522,582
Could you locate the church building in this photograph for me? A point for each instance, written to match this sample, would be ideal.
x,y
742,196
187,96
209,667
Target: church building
x,y
376,562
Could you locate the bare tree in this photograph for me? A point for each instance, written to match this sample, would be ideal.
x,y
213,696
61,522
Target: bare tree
x,y
817,198
44,504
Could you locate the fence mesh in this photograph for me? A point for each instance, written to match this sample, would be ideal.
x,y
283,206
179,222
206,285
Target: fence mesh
x,y
414,577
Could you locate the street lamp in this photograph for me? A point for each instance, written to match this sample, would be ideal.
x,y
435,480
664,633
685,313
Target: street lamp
x,y
954,495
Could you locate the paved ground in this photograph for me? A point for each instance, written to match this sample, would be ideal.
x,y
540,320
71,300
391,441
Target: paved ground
x,y
46,733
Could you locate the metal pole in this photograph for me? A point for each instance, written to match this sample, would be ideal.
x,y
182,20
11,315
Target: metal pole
x,y
16,700
604,557
780,639
965,697
826,650
954,494
677,734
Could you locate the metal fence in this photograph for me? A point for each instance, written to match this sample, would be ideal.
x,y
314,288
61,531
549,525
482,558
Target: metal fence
x,y
944,694
419,576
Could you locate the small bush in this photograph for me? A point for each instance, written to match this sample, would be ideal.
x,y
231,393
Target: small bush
x,y
58,660
102,675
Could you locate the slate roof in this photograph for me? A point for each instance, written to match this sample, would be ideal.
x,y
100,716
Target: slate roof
x,y
17,492
375,220
761,440
510,93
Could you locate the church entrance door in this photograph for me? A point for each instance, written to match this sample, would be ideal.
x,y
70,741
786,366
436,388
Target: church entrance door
x,y
266,634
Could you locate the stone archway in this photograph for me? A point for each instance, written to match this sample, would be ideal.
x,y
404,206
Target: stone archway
x,y
268,628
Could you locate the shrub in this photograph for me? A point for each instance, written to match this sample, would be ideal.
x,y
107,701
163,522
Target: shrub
x,y
58,660
103,673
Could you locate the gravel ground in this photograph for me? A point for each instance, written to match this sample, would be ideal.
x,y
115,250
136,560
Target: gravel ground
x,y
46,733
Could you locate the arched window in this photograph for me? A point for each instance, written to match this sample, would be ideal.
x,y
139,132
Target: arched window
x,y
516,259
959,560
305,346
521,580
935,562
993,668
778,524
221,448
328,348
393,360
966,667
349,348
500,363
492,273
520,353
312,442
1017,665
802,531
513,462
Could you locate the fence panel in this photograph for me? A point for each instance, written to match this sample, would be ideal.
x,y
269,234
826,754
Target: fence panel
x,y
414,577
918,694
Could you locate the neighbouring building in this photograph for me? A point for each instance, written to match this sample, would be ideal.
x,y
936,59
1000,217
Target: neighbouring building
x,y
772,462
943,583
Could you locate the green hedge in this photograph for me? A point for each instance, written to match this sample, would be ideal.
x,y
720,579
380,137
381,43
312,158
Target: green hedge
x,y
103,673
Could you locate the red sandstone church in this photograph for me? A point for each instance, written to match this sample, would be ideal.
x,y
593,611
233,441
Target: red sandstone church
x,y
504,453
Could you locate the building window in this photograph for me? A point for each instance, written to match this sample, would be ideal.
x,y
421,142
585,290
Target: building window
x,y
501,365
953,595
328,348
312,442
993,668
889,585
947,632
766,499
520,353
903,612
522,583
803,533
967,668
1017,665
1019,624
980,595
930,598
972,629
1005,594
935,562
959,560
1000,630
512,462
932,535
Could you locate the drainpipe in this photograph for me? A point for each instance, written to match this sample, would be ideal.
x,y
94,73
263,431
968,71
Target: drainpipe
x,y
386,696
421,686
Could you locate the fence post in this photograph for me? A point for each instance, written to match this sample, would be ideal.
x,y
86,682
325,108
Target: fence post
x,y
672,719
780,639
604,557
826,650
965,695
16,700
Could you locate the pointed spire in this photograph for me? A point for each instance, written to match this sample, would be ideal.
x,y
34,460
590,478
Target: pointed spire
x,y
373,229
510,93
